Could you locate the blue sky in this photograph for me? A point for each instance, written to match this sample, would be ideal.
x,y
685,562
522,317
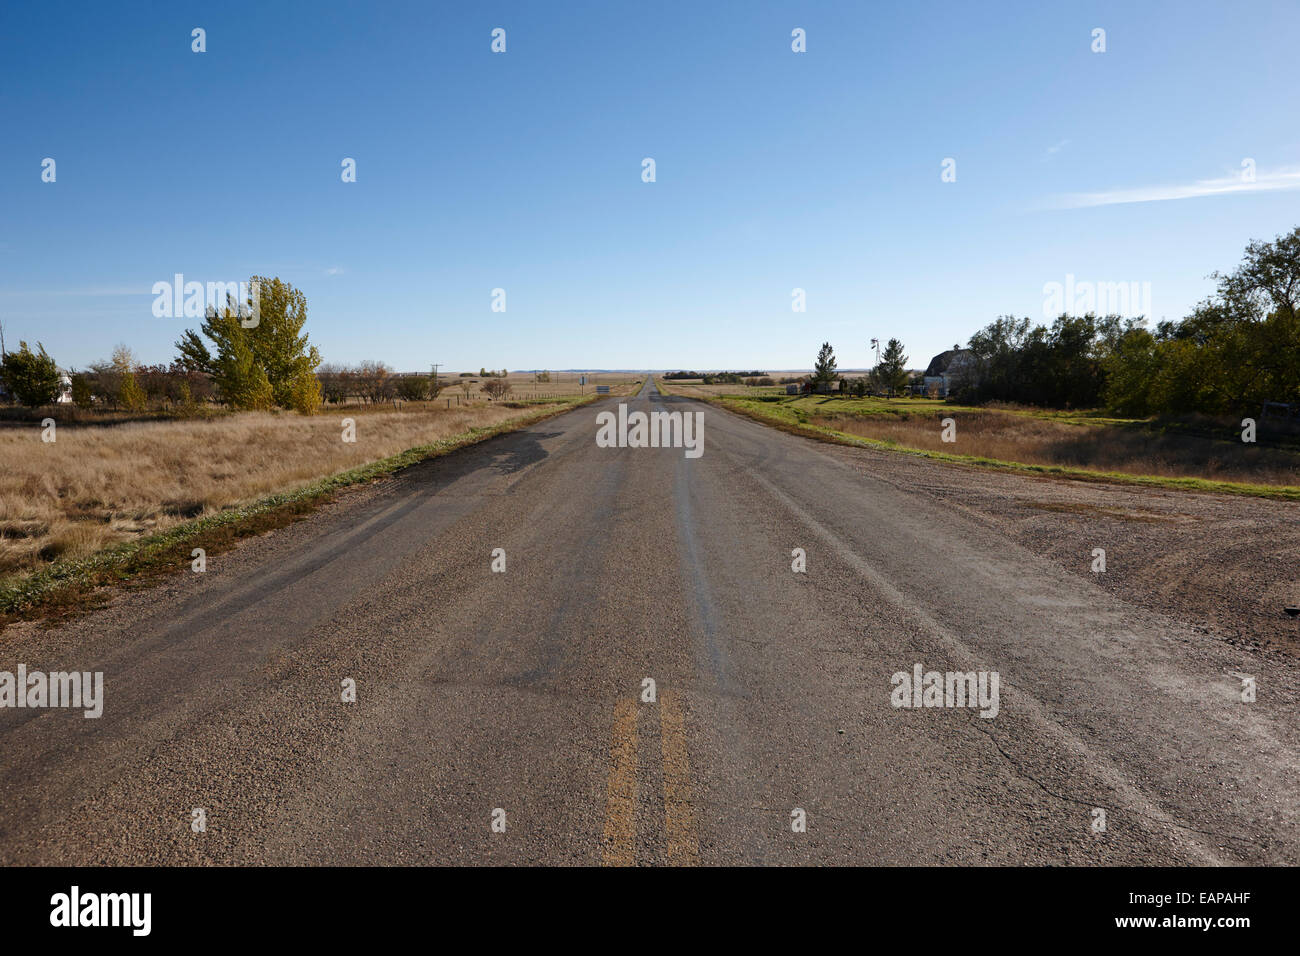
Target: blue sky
x,y
522,170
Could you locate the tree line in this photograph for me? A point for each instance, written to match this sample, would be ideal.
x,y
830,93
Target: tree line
x,y
119,382
375,382
718,378
244,364
1238,349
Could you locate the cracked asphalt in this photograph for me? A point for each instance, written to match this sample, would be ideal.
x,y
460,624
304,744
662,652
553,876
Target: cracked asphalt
x,y
506,717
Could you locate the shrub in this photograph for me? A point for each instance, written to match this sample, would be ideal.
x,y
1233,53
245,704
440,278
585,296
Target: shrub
x,y
31,377
413,388
305,394
133,396
82,395
496,388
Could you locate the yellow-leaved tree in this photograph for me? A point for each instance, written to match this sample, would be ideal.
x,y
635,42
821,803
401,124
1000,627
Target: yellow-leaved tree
x,y
260,357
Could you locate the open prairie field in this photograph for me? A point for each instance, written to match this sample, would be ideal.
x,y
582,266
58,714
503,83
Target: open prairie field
x,y
524,387
695,388
97,485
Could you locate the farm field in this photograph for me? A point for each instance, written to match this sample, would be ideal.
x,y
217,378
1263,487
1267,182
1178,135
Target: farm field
x,y
523,386
695,388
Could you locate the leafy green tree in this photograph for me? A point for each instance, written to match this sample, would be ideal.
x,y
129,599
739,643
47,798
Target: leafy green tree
x,y
1059,366
1267,282
1130,369
194,355
413,388
275,343
243,382
31,377
278,342
1237,349
998,349
82,393
824,368
892,370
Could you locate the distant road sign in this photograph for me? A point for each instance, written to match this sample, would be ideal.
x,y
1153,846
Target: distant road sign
x,y
602,389
582,380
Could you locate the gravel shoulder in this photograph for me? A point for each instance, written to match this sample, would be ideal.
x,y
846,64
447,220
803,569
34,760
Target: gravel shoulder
x,y
1223,564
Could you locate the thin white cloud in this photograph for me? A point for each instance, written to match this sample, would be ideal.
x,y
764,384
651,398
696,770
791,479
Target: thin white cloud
x,y
1053,150
1285,178
334,271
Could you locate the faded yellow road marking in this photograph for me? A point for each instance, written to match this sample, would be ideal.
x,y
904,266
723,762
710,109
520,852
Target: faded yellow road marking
x,y
620,805
679,814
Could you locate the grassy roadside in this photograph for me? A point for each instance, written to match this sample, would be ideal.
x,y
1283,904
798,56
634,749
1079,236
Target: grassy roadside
x,y
888,409
65,587
783,416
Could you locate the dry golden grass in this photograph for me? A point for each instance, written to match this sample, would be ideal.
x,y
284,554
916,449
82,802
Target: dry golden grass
x,y
98,485
1037,441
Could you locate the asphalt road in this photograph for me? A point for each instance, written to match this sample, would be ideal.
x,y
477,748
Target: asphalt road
x,y
522,691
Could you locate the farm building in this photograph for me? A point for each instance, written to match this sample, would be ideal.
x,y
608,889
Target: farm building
x,y
949,370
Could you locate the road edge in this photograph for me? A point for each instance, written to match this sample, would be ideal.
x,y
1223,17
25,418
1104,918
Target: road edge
x,y
66,589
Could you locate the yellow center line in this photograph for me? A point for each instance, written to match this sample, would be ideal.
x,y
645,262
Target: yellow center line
x,y
679,814
620,805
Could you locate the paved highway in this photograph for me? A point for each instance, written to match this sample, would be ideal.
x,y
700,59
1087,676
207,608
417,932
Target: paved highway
x,y
519,697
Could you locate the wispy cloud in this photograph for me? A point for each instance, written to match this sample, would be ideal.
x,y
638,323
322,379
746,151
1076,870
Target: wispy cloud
x,y
1284,178
1053,150
334,271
